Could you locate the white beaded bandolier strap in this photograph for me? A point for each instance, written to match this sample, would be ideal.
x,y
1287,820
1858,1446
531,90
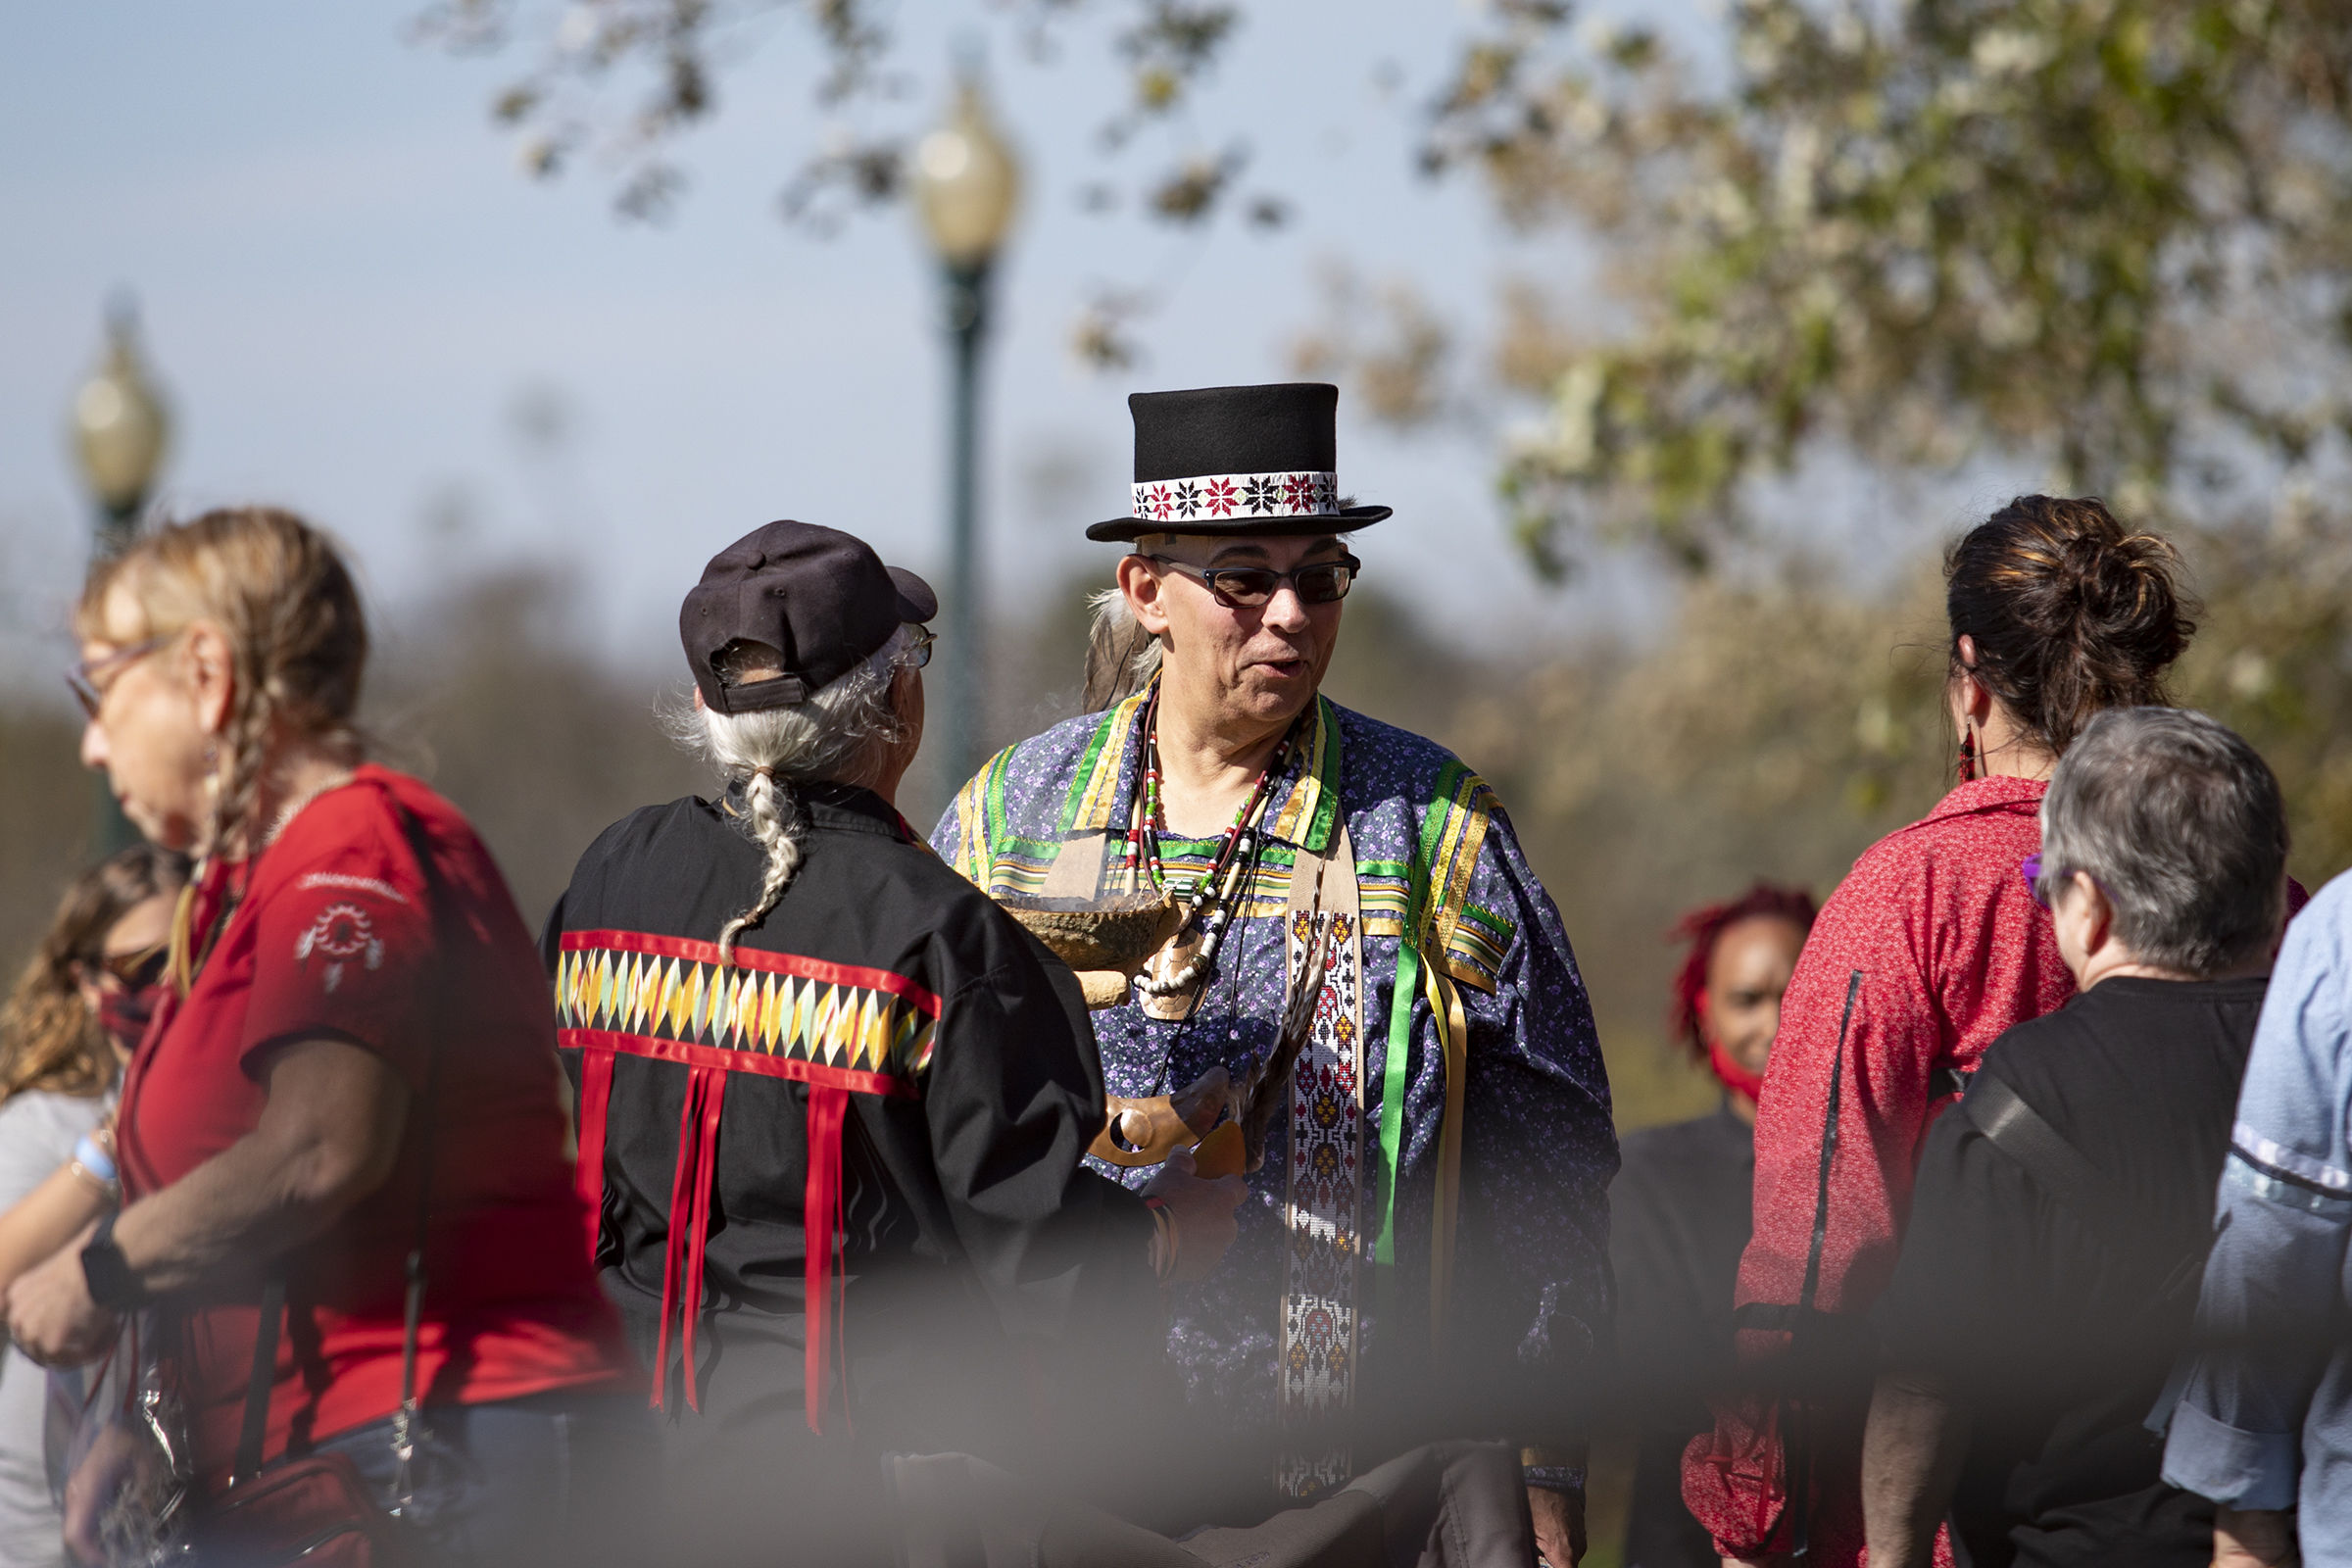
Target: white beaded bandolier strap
x,y
1304,493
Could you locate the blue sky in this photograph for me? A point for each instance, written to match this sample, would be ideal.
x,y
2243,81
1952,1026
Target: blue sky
x,y
348,285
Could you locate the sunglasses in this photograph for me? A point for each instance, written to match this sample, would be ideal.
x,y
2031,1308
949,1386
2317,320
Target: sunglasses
x,y
1324,582
924,637
83,678
139,969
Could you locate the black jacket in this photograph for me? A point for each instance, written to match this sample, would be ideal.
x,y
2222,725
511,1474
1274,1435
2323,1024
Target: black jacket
x,y
976,1251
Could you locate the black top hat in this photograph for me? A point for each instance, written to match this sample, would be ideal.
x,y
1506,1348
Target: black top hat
x,y
819,597
1236,459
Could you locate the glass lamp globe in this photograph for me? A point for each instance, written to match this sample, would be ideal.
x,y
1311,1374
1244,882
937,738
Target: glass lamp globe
x,y
966,184
120,424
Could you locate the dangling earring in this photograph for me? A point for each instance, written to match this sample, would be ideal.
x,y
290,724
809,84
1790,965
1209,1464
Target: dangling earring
x,y
1968,755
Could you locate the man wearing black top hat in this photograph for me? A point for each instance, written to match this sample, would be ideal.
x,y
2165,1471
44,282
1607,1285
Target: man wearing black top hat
x,y
832,1099
1424,1250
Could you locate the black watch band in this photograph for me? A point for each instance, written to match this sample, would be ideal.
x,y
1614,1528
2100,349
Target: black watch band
x,y
112,1285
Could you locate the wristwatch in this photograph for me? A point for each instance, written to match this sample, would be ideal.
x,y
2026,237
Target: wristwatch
x,y
112,1283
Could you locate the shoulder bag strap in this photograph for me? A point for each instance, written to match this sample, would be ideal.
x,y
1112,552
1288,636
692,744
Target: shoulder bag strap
x,y
404,1424
256,1430
1996,1108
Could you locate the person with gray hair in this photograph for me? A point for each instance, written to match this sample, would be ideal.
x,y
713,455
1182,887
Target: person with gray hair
x,y
832,1099
2049,1278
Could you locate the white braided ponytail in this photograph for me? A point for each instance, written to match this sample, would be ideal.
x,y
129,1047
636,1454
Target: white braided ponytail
x,y
837,735
775,817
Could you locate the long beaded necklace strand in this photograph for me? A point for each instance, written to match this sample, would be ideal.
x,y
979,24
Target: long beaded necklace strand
x,y
1219,892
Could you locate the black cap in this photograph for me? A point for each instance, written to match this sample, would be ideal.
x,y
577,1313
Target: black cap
x,y
1237,460
819,597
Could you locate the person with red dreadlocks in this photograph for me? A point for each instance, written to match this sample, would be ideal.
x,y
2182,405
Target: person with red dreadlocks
x,y
1679,1209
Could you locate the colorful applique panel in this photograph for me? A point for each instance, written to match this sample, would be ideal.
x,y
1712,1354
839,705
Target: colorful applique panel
x,y
856,1020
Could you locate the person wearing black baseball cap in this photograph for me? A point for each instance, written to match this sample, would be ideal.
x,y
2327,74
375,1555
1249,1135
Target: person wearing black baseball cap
x,y
1425,1248
832,1099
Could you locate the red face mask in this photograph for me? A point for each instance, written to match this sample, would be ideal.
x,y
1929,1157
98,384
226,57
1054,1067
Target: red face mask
x,y
1732,1074
125,1013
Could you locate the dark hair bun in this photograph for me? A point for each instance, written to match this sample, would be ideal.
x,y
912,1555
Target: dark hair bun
x,y
2071,613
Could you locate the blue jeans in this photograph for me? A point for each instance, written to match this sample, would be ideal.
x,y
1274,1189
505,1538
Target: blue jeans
x,y
567,1478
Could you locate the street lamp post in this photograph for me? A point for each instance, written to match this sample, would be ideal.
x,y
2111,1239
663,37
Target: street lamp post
x,y
119,431
967,185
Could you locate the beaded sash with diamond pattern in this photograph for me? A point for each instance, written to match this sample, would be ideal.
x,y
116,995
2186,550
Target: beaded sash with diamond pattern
x,y
1323,1205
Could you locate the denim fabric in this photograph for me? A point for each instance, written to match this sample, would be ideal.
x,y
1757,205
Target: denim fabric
x,y
558,1479
2264,1418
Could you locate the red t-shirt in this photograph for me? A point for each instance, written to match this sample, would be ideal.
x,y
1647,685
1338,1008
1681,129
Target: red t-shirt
x,y
335,938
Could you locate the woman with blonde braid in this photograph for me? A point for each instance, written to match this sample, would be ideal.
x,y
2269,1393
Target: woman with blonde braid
x,y
355,1063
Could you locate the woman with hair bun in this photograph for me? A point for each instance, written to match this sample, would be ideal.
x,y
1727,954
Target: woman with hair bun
x,y
1678,1209
1929,950
340,1142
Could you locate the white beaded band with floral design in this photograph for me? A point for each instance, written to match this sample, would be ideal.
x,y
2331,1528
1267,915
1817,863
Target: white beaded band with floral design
x,y
1240,495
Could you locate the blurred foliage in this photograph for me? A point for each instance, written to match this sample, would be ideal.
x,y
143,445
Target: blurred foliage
x,y
488,692
2273,661
2112,236
594,58
1386,341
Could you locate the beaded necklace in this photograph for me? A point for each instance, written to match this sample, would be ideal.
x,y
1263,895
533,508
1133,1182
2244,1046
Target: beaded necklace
x,y
1211,904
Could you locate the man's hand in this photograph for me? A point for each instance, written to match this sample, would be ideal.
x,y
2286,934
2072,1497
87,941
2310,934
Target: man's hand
x,y
1201,1215
50,1313
2259,1537
1559,1526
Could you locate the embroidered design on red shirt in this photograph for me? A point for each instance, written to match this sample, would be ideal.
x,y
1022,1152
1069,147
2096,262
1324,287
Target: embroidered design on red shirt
x,y
342,932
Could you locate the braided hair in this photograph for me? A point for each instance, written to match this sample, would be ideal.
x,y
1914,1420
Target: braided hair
x,y
775,820
1702,928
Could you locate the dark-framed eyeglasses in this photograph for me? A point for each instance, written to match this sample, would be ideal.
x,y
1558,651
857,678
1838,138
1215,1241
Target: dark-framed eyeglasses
x,y
84,677
1320,582
920,654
